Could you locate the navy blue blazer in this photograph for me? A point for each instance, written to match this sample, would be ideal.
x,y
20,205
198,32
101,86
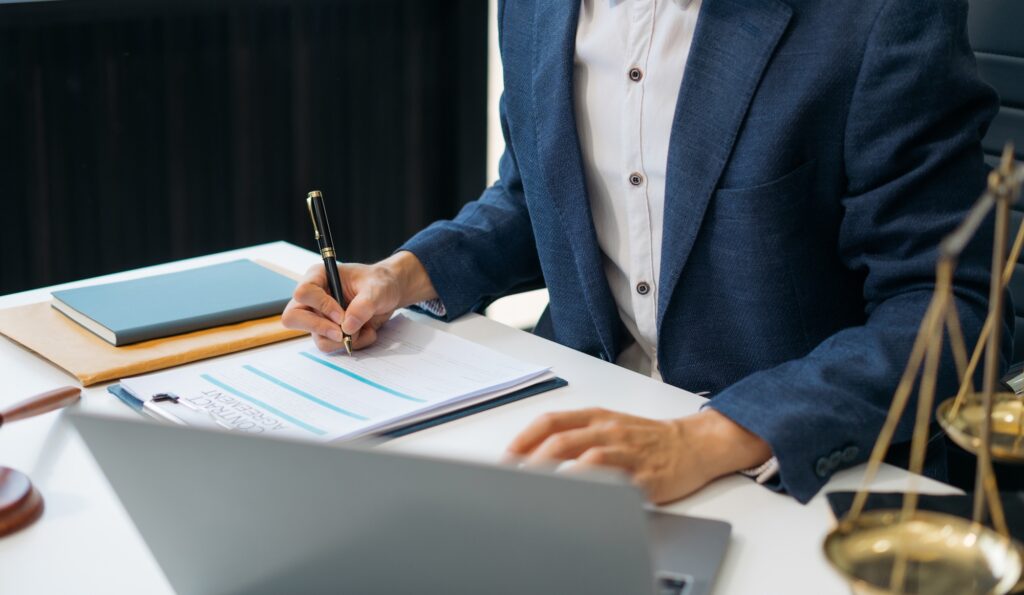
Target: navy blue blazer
x,y
819,152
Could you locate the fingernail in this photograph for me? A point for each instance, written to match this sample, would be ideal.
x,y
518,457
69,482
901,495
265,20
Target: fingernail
x,y
336,336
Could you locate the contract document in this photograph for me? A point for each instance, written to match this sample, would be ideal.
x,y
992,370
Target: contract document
x,y
412,372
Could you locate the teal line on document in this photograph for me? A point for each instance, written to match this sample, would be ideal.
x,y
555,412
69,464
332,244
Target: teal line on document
x,y
303,393
260,403
355,376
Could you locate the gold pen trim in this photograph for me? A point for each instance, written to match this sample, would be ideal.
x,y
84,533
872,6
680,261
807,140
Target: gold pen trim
x,y
327,253
309,205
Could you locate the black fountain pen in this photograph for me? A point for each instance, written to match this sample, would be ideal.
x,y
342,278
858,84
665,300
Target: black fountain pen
x,y
322,232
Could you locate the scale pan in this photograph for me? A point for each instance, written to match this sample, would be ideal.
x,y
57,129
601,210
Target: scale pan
x,y
945,554
1007,426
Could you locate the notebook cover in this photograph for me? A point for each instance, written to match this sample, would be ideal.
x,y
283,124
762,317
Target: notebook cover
x,y
176,303
529,391
42,329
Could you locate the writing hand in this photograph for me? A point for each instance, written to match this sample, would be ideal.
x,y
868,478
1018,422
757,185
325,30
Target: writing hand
x,y
373,292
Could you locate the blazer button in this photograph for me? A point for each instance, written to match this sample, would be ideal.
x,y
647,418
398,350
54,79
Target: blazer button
x,y
850,454
821,469
835,459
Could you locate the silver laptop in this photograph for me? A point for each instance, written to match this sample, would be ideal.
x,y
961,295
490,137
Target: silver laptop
x,y
230,513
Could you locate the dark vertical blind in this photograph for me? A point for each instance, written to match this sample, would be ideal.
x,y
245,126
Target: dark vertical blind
x,y
136,132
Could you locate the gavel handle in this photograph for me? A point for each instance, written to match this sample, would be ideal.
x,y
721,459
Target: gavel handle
x,y
41,403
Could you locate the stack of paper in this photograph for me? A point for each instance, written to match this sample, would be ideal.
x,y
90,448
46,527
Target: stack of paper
x,y
412,372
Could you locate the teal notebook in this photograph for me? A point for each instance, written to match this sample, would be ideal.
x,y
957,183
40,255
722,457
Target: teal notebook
x,y
163,305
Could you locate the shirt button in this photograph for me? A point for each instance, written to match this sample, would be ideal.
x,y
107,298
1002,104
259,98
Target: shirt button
x,y
636,178
635,74
643,288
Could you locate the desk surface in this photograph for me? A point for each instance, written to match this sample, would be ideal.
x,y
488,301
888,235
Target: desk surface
x,y
85,542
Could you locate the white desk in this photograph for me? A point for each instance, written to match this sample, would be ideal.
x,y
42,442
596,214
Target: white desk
x,y
85,542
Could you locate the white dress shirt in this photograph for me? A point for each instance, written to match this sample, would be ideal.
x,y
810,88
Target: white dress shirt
x,y
629,64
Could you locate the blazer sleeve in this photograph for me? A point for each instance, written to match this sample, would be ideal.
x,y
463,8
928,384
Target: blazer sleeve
x,y
914,167
487,249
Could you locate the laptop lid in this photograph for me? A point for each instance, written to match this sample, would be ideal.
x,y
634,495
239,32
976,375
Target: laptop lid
x,y
231,513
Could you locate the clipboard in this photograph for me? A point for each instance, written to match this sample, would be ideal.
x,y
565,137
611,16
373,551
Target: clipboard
x,y
403,430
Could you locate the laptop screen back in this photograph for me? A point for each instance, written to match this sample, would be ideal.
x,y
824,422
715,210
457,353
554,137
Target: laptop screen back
x,y
229,513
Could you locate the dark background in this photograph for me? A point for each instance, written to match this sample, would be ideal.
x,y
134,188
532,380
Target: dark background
x,y
140,131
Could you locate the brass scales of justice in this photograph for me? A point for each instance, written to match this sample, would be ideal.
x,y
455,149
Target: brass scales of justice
x,y
909,551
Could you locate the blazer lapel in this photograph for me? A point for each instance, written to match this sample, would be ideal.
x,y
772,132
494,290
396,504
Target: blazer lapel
x,y
732,45
561,162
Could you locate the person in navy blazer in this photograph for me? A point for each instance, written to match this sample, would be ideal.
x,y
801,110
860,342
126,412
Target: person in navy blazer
x,y
819,152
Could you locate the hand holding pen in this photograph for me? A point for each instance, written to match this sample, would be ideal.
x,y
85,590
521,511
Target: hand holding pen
x,y
367,294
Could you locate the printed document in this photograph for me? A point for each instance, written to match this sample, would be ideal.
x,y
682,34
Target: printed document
x,y
413,371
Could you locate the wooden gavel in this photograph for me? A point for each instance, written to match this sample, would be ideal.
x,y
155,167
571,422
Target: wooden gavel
x,y
20,502
40,404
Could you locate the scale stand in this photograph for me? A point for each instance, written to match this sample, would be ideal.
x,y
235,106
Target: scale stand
x,y
909,551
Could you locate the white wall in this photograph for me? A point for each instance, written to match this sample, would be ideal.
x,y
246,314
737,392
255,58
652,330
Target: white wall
x,y
495,142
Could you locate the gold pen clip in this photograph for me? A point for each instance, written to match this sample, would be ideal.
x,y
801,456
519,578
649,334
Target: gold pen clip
x,y
309,205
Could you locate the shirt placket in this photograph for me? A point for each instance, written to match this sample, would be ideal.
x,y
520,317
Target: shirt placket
x,y
644,289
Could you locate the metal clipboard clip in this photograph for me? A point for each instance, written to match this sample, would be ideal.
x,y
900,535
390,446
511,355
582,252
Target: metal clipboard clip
x,y
182,417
